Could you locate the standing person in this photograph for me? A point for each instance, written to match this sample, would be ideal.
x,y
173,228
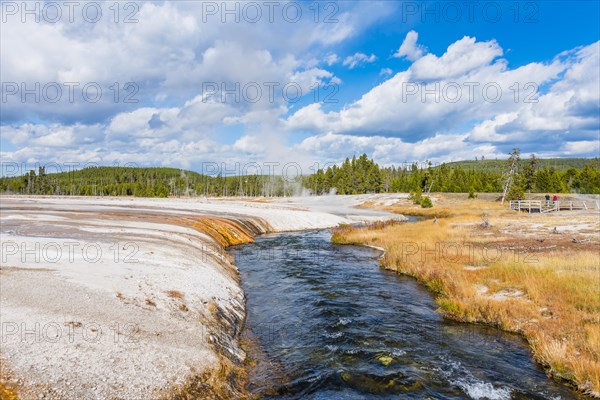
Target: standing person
x,y
547,199
555,199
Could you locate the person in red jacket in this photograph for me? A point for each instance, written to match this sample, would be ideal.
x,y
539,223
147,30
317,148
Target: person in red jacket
x,y
555,198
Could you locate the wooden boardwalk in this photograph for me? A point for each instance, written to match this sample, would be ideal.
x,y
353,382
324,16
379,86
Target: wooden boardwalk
x,y
542,206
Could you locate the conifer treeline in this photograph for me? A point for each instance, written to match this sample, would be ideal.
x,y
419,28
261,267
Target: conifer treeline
x,y
353,176
145,182
362,175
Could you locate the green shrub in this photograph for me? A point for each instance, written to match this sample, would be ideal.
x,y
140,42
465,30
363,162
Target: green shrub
x,y
416,196
426,202
472,194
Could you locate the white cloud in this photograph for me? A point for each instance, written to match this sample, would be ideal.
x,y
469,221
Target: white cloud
x,y
332,147
358,59
466,96
409,47
386,72
169,53
331,59
461,57
133,123
249,144
55,136
581,148
567,112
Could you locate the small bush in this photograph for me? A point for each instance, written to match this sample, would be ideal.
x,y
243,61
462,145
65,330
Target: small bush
x,y
472,194
416,196
426,202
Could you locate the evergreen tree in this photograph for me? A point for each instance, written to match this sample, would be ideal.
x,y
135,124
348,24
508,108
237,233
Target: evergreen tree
x,y
529,173
515,180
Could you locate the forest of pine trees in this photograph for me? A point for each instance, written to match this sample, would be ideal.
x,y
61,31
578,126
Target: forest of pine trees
x,y
354,176
145,182
365,176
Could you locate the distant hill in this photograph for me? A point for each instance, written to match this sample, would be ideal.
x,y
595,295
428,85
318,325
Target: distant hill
x,y
560,164
124,174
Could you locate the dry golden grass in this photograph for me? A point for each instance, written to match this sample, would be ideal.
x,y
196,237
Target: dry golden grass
x,y
10,389
224,383
261,200
418,211
150,302
175,294
515,275
7,394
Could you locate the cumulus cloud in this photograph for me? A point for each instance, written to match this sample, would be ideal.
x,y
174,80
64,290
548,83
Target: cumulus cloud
x,y
168,54
567,113
409,47
469,86
461,57
581,148
332,147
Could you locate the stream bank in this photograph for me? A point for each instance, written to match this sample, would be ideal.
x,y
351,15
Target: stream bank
x,y
332,324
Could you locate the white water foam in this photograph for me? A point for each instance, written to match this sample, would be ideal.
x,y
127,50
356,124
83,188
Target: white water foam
x,y
471,385
479,390
343,321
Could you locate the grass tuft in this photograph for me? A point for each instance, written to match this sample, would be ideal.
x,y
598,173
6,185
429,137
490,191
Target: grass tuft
x,y
175,294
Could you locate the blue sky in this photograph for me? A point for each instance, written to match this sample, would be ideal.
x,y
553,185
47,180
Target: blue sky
x,y
367,57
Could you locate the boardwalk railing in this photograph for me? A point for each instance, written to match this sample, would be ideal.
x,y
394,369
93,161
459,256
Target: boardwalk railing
x,y
542,206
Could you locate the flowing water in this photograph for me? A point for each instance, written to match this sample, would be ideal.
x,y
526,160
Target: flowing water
x,y
333,325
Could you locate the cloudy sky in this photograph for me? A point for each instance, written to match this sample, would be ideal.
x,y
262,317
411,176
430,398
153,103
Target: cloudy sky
x,y
188,83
